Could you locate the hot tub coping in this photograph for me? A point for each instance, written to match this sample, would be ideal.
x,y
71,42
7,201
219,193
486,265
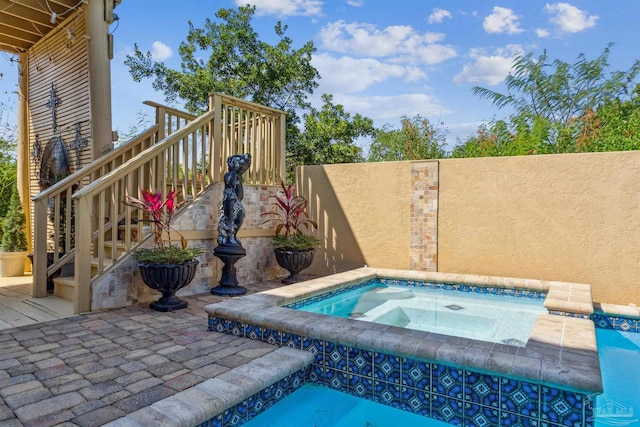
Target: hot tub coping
x,y
561,351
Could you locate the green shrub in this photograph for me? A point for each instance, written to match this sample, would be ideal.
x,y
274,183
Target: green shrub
x,y
13,237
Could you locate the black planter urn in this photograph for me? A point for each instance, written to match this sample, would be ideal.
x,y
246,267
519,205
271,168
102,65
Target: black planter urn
x,y
168,279
294,261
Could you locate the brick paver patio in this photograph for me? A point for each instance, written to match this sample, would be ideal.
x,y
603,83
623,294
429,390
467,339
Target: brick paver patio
x,y
90,369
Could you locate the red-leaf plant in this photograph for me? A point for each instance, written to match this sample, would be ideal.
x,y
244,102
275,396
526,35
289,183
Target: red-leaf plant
x,y
291,216
160,214
160,217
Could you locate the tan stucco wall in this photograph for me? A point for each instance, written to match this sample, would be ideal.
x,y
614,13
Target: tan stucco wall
x,y
362,212
572,217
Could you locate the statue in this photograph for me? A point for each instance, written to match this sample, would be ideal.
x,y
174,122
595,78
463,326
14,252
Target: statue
x,y
232,209
229,249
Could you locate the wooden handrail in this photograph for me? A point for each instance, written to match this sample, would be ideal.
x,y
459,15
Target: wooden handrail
x,y
142,158
182,152
94,167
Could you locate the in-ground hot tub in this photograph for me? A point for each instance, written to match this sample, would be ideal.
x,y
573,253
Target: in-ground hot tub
x,y
482,313
447,378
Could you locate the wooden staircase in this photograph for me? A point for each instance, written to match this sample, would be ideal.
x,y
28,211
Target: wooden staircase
x,y
180,152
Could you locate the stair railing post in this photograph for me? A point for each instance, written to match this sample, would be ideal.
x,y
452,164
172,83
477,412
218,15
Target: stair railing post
x,y
216,135
82,273
40,249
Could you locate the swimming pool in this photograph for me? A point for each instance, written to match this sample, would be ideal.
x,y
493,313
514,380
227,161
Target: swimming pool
x,y
313,405
487,314
548,381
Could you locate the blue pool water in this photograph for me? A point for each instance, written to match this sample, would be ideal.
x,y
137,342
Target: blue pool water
x,y
619,403
488,317
312,405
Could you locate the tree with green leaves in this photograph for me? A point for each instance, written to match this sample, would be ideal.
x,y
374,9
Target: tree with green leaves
x,y
238,64
556,94
417,139
329,136
614,126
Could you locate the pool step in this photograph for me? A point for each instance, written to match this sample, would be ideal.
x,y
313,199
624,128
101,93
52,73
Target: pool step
x,y
198,404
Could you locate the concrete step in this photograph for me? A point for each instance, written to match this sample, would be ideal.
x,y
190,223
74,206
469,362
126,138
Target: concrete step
x,y
197,405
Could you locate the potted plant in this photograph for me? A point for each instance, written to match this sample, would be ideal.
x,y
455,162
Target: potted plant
x,y
165,267
14,240
294,250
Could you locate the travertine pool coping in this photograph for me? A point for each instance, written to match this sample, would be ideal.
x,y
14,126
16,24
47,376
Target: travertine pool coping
x,y
561,351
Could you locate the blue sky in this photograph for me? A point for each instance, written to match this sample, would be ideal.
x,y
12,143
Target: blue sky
x,y
385,59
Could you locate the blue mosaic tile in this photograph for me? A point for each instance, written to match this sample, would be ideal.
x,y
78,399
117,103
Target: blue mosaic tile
x,y
218,324
416,401
317,374
514,420
482,389
315,347
519,397
386,367
341,381
336,357
447,410
236,328
255,406
561,407
253,332
294,341
480,416
361,386
416,373
286,338
602,321
447,381
327,349
275,338
624,324
387,393
216,421
360,362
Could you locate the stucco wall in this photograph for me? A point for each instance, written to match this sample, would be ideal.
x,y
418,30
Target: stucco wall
x,y
571,217
362,212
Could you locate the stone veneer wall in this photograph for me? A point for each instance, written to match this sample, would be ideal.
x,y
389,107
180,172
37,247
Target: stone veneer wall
x,y
423,222
122,285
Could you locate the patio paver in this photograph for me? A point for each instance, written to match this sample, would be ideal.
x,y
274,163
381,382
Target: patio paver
x,y
91,369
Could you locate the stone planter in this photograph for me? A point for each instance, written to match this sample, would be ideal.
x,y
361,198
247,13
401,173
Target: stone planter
x,y
168,279
12,263
294,261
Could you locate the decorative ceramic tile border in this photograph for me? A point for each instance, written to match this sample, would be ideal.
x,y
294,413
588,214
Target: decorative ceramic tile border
x,y
423,222
446,393
618,323
567,314
259,402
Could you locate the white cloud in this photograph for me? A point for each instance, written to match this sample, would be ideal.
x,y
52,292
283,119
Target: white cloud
x,y
390,108
285,7
355,3
160,51
568,18
438,15
502,20
401,42
350,75
542,33
486,68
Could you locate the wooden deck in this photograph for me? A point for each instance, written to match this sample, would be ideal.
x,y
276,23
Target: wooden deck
x,y
18,308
